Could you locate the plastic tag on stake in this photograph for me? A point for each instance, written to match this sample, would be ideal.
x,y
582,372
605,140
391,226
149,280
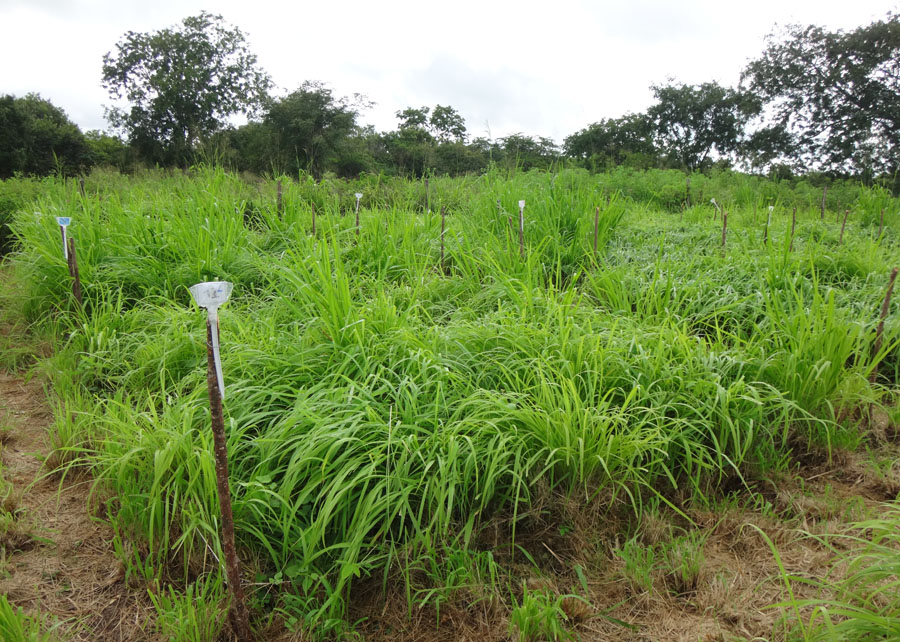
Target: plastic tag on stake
x,y
358,196
64,222
211,295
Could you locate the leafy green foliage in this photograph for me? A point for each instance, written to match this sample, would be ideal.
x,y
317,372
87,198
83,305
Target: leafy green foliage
x,y
196,615
447,125
858,600
690,122
837,93
307,128
37,138
16,626
539,616
109,151
182,83
615,141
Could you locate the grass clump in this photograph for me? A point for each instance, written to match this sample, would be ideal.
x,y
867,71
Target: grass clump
x,y
17,626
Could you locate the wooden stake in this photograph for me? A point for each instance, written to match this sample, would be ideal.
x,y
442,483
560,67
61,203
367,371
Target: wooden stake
x,y
427,197
73,271
724,226
357,217
81,186
278,200
793,228
596,225
312,208
443,221
824,193
687,190
239,616
522,232
881,224
843,225
879,332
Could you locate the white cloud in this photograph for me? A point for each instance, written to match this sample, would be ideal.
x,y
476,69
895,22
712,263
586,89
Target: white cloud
x,y
542,68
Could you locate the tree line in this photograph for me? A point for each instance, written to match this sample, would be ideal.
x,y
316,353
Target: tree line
x,y
813,101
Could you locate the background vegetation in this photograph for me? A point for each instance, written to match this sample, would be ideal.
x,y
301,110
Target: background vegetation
x,y
813,102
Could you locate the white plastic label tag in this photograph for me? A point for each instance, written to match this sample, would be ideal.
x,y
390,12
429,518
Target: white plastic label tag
x,y
211,295
64,222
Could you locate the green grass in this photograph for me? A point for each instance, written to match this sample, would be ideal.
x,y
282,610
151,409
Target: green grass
x,y
17,626
383,411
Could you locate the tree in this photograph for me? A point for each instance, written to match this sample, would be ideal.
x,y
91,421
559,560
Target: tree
x,y
614,141
412,118
410,149
837,93
447,125
411,146
527,152
310,126
108,151
691,121
37,138
182,83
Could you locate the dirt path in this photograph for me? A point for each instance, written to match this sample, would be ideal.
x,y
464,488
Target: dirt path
x,y
57,560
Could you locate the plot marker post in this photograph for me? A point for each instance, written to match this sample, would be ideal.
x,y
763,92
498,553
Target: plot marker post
x,y
843,225
793,229
211,295
72,259
879,331
279,202
443,227
522,229
64,222
724,226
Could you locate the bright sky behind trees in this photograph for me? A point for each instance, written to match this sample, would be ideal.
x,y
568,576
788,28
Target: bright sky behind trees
x,y
542,69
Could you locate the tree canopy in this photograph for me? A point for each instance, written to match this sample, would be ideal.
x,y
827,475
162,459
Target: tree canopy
x,y
182,84
836,93
815,100
37,138
309,125
614,141
690,121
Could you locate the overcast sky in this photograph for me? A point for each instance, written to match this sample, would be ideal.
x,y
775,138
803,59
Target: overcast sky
x,y
542,68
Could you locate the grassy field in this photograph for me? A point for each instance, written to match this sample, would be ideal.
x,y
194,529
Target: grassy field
x,y
441,424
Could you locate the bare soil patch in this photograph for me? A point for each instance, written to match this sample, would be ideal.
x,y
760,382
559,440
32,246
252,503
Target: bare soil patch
x,y
61,562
